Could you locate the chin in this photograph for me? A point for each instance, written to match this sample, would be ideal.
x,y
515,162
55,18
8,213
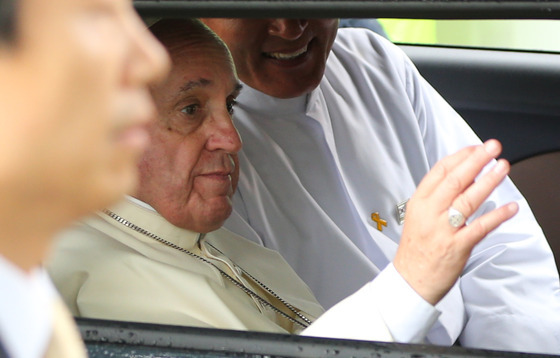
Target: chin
x,y
213,221
207,227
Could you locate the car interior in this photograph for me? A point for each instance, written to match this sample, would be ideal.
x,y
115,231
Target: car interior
x,y
511,95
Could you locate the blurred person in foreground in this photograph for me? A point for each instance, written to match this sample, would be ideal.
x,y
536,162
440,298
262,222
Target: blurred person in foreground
x,y
338,130
74,98
161,255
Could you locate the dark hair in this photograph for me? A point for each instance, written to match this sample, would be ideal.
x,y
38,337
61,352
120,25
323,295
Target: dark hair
x,y
7,20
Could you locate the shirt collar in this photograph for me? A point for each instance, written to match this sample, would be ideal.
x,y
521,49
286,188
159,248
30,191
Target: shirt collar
x,y
26,301
139,202
256,101
145,217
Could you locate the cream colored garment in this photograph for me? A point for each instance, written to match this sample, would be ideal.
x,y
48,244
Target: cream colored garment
x,y
65,341
106,270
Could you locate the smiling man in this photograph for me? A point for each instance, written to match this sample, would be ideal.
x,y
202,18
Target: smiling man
x,y
339,129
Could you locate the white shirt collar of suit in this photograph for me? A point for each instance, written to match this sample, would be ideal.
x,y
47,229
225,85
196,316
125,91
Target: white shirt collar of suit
x,y
26,302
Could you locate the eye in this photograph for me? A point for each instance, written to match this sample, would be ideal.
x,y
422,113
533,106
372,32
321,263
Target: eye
x,y
190,109
230,106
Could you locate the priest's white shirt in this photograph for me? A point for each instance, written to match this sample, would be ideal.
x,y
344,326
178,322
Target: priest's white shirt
x,y
107,270
26,300
314,169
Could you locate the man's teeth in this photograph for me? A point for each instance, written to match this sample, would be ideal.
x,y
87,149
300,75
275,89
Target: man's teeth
x,y
287,56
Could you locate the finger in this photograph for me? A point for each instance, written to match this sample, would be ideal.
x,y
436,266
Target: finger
x,y
473,233
471,199
463,175
441,169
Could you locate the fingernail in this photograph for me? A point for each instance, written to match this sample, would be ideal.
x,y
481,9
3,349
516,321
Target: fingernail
x,y
501,167
513,207
492,147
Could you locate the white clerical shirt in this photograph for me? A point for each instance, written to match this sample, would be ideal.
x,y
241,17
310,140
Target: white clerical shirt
x,y
315,168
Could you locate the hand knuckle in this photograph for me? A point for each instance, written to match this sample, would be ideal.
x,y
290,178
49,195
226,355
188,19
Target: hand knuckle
x,y
464,205
454,183
479,228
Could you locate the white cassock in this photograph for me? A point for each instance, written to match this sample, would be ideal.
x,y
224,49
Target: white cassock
x,y
107,270
315,168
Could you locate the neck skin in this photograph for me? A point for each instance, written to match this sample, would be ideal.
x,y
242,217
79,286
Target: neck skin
x,y
30,214
28,220
28,225
24,251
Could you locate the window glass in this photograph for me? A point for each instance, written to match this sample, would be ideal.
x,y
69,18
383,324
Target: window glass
x,y
538,35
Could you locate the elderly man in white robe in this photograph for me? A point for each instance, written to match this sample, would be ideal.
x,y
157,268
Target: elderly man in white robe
x,y
161,255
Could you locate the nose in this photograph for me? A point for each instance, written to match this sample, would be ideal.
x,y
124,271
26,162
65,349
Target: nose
x,y
289,29
149,62
222,135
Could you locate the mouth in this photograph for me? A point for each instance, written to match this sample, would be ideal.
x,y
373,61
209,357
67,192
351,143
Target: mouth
x,y
134,137
219,184
286,56
132,131
218,176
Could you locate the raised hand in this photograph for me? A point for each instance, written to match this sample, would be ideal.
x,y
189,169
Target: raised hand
x,y
434,249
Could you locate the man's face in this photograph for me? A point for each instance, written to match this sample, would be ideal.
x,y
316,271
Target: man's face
x,y
77,102
189,172
283,58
